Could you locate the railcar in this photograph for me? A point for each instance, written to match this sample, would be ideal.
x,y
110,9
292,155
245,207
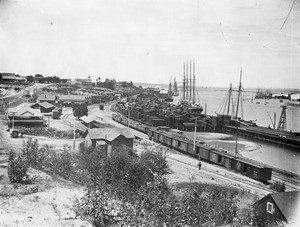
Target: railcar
x,y
174,140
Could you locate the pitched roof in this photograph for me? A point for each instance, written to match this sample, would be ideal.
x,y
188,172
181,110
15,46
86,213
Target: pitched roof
x,y
73,97
46,105
109,133
86,119
46,97
288,203
24,110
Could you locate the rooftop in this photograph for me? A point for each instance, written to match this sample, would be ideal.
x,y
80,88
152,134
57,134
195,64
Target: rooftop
x,y
109,133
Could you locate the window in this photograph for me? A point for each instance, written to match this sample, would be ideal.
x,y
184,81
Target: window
x,y
270,208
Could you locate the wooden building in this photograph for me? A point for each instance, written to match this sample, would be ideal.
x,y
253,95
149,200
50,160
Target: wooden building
x,y
44,107
109,138
89,122
75,99
278,209
25,116
47,97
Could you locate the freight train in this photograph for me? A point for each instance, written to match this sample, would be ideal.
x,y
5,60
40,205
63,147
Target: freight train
x,y
174,139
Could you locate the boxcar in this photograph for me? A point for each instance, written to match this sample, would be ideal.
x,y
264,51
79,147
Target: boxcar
x,y
239,166
221,158
167,139
255,171
203,152
175,143
190,148
182,145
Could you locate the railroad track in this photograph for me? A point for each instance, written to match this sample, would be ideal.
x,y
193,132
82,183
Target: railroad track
x,y
291,181
252,187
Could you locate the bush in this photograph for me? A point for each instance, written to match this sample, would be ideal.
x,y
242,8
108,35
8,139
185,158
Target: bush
x,y
61,163
35,156
155,161
16,169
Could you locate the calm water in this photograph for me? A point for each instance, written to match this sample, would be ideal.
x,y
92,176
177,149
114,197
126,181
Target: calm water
x,y
277,156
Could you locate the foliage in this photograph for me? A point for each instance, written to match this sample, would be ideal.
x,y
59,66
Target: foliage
x,y
109,84
51,133
17,168
155,160
80,110
46,158
61,163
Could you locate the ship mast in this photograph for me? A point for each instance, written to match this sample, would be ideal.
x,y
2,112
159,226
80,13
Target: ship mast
x,y
194,82
229,97
239,94
184,81
190,80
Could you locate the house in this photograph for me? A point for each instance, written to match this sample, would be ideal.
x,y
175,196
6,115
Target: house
x,y
109,138
12,77
86,82
89,122
44,107
47,97
74,99
25,116
278,209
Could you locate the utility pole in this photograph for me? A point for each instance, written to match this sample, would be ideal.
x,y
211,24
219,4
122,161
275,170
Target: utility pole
x,y
128,116
13,123
74,135
194,145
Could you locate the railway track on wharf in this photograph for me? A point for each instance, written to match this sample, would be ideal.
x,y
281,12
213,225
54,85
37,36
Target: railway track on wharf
x,y
291,180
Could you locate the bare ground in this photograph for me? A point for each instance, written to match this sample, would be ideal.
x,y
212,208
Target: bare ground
x,y
50,202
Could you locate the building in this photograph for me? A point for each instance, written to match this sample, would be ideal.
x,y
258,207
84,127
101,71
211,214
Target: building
x,y
12,78
75,99
47,97
85,82
295,97
278,209
25,116
44,107
109,138
90,123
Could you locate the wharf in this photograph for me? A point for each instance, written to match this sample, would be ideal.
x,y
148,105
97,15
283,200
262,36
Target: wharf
x,y
267,134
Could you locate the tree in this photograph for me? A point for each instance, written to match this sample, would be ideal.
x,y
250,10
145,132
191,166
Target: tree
x,y
80,110
17,168
30,79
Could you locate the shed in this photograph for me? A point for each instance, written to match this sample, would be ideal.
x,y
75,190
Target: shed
x,y
112,137
47,97
278,209
45,107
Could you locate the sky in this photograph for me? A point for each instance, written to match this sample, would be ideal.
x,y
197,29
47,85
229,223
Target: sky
x,y
149,40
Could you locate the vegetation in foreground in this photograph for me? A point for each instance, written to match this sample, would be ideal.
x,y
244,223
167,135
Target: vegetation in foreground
x,y
131,190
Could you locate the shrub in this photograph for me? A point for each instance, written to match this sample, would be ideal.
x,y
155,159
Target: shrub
x,y
155,161
35,156
16,169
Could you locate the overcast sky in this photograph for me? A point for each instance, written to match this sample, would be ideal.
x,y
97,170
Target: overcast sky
x,y
148,40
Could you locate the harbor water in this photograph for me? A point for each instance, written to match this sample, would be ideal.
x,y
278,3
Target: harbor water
x,y
262,113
